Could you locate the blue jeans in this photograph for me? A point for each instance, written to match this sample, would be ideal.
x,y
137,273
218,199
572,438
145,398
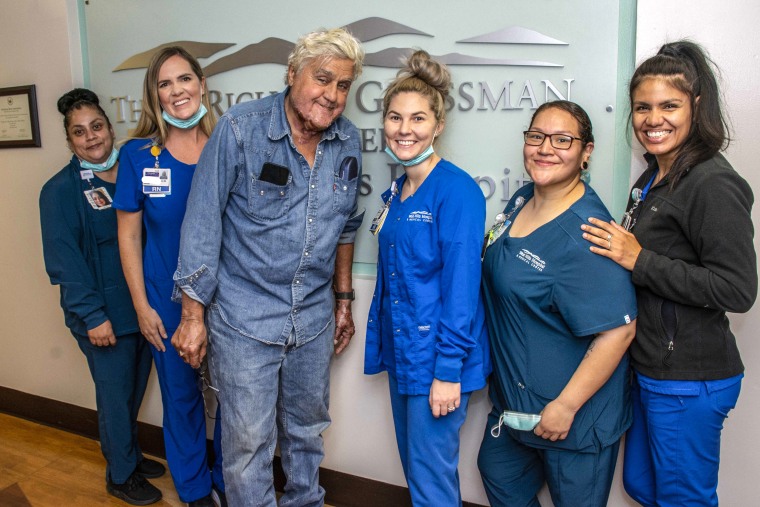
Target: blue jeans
x,y
513,473
271,393
672,450
120,374
429,448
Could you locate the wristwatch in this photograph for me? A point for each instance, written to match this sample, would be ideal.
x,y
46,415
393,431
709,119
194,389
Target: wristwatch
x,y
350,296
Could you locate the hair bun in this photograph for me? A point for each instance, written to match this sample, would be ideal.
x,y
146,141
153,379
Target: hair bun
x,y
423,67
75,96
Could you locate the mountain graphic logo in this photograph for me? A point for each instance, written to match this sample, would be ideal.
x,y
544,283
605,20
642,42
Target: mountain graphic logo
x,y
276,50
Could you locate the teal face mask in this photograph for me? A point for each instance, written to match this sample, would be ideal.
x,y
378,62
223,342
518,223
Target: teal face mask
x,y
185,124
517,421
416,160
99,168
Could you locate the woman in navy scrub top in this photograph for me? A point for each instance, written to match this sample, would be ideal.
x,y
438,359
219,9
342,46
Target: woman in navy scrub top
x,y
426,324
560,319
82,256
153,185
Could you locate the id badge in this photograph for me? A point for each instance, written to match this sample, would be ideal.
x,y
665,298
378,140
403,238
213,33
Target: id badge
x,y
99,198
157,181
378,221
500,225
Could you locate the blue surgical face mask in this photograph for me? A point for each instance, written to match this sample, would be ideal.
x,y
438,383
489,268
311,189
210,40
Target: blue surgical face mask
x,y
416,160
517,421
99,168
185,124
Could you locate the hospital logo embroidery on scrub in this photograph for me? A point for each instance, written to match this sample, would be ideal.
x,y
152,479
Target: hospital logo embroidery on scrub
x,y
531,259
420,216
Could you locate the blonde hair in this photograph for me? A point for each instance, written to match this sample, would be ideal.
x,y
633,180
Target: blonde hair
x,y
151,124
326,44
421,74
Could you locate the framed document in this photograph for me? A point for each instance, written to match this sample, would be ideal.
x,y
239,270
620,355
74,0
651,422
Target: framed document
x,y
19,125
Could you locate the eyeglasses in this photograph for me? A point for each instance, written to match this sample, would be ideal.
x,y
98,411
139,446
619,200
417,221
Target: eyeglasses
x,y
558,141
204,384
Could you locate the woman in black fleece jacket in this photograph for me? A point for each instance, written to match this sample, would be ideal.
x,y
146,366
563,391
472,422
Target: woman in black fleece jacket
x,y
687,239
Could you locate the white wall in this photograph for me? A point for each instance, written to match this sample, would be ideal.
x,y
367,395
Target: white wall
x,y
40,46
40,357
728,30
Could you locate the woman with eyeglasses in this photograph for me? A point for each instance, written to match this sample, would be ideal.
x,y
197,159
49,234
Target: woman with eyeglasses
x,y
687,240
81,253
153,186
560,320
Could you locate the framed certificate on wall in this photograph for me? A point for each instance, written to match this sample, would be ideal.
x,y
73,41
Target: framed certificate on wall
x,y
19,125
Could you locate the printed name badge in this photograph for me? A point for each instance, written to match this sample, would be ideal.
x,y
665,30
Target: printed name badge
x,y
157,181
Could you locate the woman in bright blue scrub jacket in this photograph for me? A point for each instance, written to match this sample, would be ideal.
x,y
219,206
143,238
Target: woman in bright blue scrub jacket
x,y
154,182
560,320
687,240
426,324
82,256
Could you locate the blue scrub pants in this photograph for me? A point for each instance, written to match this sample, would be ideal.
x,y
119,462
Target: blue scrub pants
x,y
513,473
429,447
185,426
120,373
672,450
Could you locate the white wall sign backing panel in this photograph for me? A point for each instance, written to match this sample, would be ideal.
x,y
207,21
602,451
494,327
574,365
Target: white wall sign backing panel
x,y
506,59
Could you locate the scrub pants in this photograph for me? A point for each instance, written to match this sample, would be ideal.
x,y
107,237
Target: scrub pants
x,y
120,373
513,473
429,447
672,450
185,426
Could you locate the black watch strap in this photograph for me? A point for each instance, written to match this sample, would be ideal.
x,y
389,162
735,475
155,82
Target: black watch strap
x,y
350,296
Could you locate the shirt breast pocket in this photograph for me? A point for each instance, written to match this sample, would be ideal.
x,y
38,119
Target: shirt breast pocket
x,y
268,201
344,195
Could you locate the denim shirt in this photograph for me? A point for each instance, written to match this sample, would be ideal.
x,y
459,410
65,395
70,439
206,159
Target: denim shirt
x,y
265,253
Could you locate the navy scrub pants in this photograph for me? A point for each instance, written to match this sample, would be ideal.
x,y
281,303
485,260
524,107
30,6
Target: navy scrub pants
x,y
120,373
513,473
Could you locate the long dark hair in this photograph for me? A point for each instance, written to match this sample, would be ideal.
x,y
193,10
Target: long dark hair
x,y
689,69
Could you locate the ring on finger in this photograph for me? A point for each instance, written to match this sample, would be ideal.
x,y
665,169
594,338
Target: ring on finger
x,y
609,241
451,409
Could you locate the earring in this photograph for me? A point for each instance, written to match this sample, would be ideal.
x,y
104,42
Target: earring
x,y
584,165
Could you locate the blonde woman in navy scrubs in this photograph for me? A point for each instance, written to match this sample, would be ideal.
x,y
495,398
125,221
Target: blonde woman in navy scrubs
x,y
426,324
153,185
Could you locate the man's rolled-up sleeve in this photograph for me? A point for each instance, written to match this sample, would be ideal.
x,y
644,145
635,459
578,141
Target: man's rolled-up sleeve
x,y
201,238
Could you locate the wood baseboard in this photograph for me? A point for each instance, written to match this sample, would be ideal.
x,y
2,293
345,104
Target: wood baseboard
x,y
343,490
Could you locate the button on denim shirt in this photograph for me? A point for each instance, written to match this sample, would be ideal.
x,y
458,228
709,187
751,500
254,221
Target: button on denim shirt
x,y
265,253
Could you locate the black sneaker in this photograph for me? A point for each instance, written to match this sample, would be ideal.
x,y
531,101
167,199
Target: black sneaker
x,y
150,468
206,501
136,491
